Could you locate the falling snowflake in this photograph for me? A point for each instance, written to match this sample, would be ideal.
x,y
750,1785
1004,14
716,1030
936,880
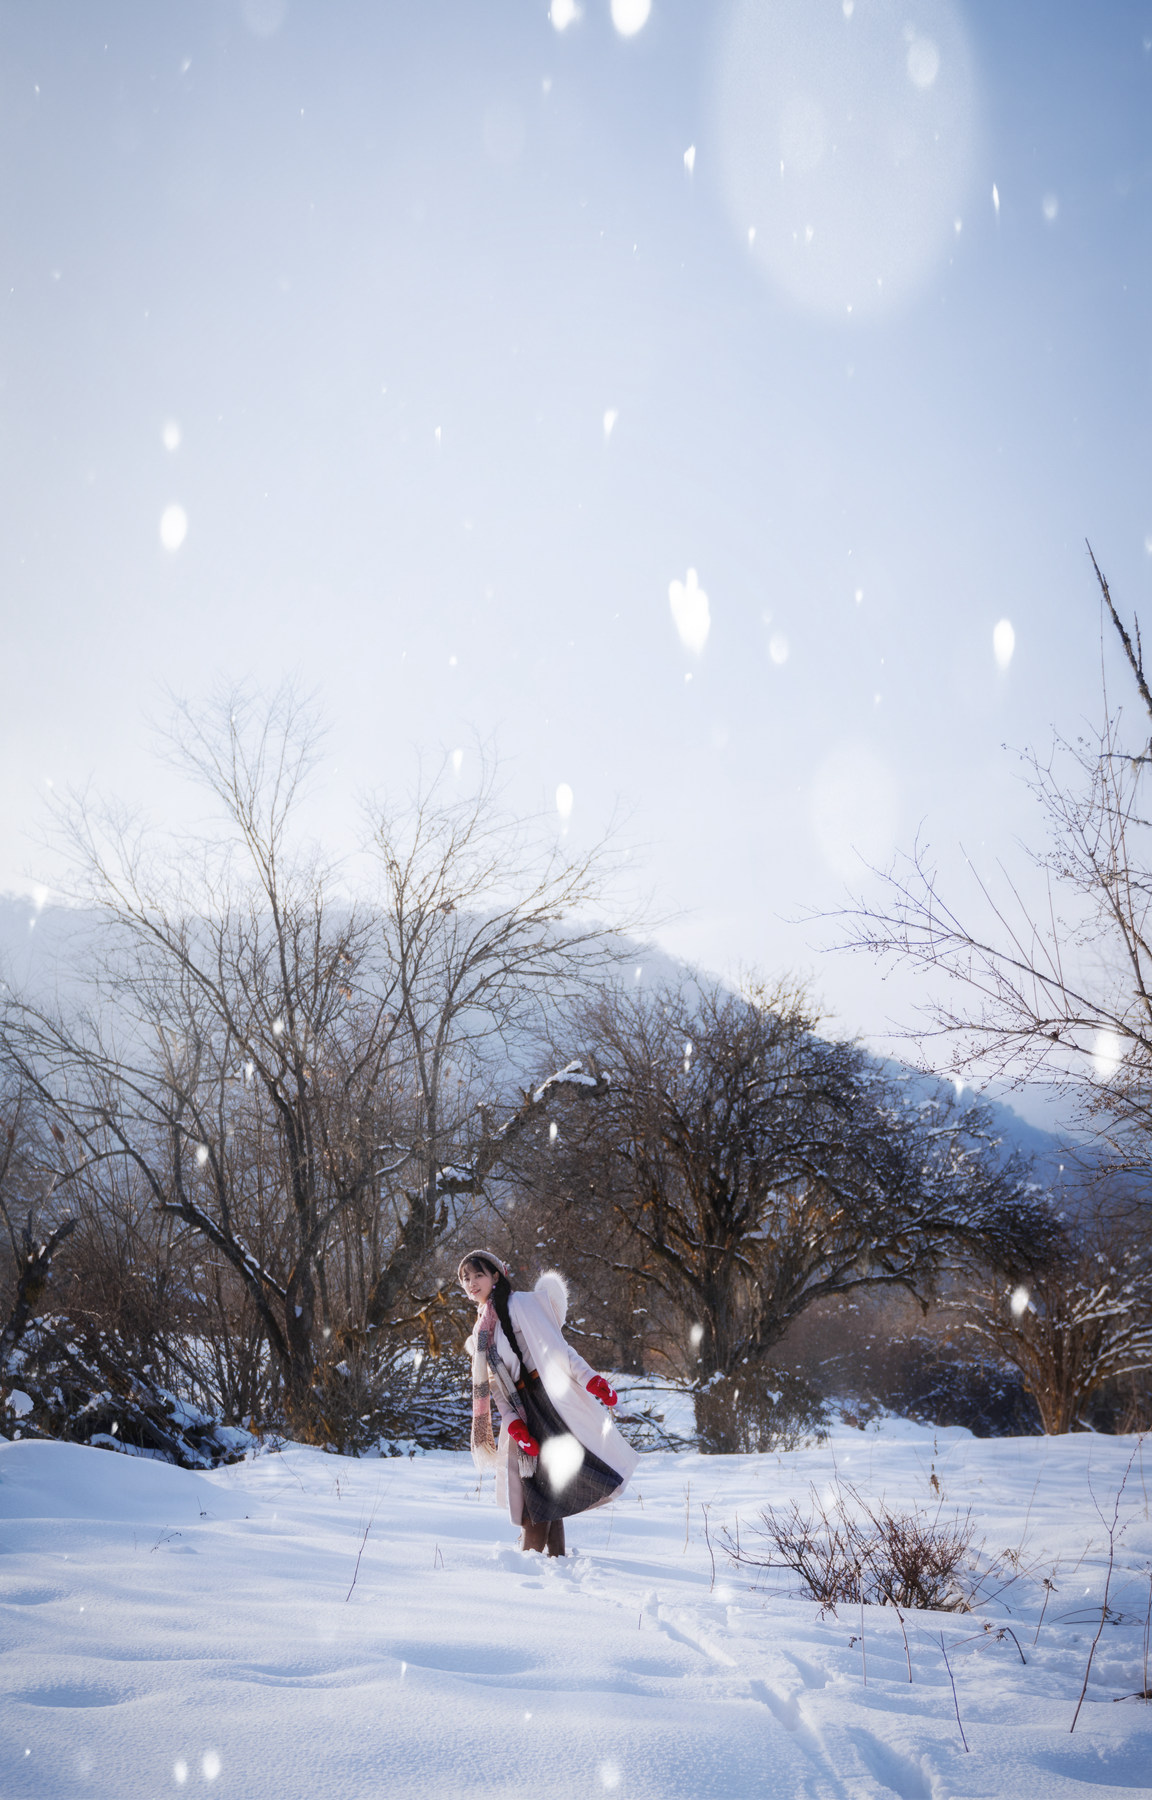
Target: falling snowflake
x,y
630,16
1003,643
173,527
690,612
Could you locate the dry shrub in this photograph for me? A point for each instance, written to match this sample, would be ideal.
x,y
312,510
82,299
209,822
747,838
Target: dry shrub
x,y
853,1553
394,1396
770,1409
916,1561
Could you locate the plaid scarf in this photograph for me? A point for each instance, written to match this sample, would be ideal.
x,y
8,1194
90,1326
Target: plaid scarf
x,y
483,1359
487,1369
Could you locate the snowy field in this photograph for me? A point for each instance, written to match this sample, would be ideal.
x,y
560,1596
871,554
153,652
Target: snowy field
x,y
168,1633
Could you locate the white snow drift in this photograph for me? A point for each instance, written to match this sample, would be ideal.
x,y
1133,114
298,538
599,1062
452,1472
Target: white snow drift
x,y
302,1624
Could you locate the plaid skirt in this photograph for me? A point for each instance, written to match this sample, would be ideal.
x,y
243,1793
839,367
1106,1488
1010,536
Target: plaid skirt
x,y
559,1488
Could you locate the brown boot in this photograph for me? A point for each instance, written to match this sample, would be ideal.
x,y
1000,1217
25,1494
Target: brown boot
x,y
546,1537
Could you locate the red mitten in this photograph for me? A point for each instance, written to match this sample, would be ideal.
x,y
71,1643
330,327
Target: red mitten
x,y
520,1434
600,1390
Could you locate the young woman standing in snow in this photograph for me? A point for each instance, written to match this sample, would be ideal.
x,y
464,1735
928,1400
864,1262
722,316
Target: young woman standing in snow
x,y
559,1452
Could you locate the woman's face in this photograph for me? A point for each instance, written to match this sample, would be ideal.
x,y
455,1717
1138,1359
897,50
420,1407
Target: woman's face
x,y
478,1284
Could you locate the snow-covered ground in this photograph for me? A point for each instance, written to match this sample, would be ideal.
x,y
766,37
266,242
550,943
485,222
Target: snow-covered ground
x,y
239,1634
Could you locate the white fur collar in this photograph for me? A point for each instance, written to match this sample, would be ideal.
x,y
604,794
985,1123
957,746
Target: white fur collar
x,y
553,1290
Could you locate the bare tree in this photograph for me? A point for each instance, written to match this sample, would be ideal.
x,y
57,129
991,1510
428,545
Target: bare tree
x,y
750,1167
1073,1322
484,931
26,1187
312,1089
1058,991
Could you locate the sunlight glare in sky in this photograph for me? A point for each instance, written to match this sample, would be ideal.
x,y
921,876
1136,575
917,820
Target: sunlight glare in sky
x,y
263,17
923,62
850,143
563,13
170,435
564,800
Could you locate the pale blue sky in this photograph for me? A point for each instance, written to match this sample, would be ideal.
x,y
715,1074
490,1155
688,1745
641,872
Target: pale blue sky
x,y
386,268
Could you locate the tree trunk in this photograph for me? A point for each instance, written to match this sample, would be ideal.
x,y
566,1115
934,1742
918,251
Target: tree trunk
x,y
35,1269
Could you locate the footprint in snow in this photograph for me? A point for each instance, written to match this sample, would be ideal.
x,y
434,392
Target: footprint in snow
x,y
72,1696
893,1770
782,1706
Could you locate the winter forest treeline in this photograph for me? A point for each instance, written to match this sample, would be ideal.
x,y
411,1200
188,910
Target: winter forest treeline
x,y
245,1140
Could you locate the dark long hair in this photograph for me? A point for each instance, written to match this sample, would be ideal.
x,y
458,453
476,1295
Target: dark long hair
x,y
502,1291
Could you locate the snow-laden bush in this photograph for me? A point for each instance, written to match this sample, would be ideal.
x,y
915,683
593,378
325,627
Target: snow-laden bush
x,y
76,1384
654,1414
935,1386
396,1396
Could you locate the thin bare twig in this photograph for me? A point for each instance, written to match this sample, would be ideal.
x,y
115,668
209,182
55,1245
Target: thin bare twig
x,y
955,1701
1133,654
359,1554
904,1635
1107,1585
1049,1590
708,1541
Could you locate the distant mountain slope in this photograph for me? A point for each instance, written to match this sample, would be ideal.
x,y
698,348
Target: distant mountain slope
x,y
42,946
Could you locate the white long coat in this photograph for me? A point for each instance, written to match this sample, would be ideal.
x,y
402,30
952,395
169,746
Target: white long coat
x,y
536,1319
